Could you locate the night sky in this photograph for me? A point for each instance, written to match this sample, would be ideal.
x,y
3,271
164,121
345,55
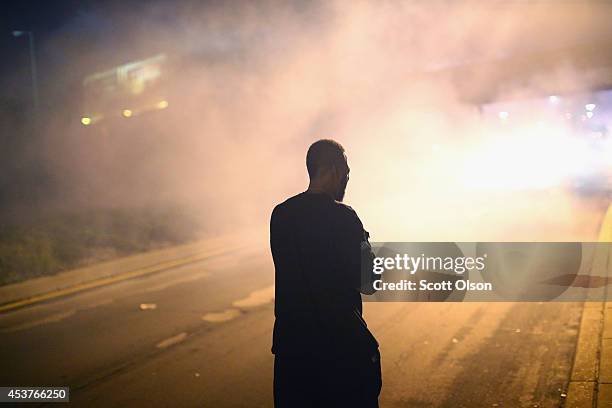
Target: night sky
x,y
75,38
64,31
45,19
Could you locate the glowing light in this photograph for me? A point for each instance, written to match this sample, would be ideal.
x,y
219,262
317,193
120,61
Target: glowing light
x,y
554,99
590,107
86,121
126,113
589,114
547,155
503,115
162,104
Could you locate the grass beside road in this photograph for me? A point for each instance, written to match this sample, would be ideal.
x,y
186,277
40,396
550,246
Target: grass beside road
x,y
57,242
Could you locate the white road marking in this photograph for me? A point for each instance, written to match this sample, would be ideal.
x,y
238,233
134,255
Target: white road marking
x,y
100,303
256,298
174,282
49,319
172,340
218,317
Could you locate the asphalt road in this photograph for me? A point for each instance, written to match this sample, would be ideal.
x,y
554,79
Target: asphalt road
x,y
207,344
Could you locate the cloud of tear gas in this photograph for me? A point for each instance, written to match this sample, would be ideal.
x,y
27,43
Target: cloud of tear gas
x,y
254,85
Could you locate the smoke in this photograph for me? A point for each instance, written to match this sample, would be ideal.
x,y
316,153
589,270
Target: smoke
x,y
255,84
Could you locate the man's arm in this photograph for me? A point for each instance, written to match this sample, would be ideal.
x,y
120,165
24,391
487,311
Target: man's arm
x,y
356,257
367,266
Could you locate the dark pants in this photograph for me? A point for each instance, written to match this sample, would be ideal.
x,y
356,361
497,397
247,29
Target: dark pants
x,y
301,382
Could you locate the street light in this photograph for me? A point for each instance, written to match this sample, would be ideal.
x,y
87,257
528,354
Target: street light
x,y
30,34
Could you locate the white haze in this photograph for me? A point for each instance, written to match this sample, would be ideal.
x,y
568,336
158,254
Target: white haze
x,y
287,75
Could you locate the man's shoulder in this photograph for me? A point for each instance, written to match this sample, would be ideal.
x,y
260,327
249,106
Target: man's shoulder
x,y
286,205
301,202
348,215
345,209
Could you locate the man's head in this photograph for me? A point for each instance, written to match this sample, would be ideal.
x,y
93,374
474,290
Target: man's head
x,y
328,168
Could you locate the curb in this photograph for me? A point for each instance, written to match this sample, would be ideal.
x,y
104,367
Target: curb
x,y
104,281
604,394
41,289
590,382
582,388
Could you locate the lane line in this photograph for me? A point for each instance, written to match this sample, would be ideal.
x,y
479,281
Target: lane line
x,y
256,298
58,317
177,281
224,316
170,341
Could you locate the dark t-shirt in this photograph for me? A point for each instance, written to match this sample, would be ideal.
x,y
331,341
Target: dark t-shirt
x,y
316,244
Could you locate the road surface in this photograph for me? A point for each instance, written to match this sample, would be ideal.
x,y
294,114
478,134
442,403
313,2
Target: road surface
x,y
206,340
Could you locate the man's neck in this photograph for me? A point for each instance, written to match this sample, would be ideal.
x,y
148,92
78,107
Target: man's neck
x,y
314,189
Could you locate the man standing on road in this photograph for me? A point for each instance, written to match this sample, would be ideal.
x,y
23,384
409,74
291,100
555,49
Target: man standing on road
x,y
325,356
